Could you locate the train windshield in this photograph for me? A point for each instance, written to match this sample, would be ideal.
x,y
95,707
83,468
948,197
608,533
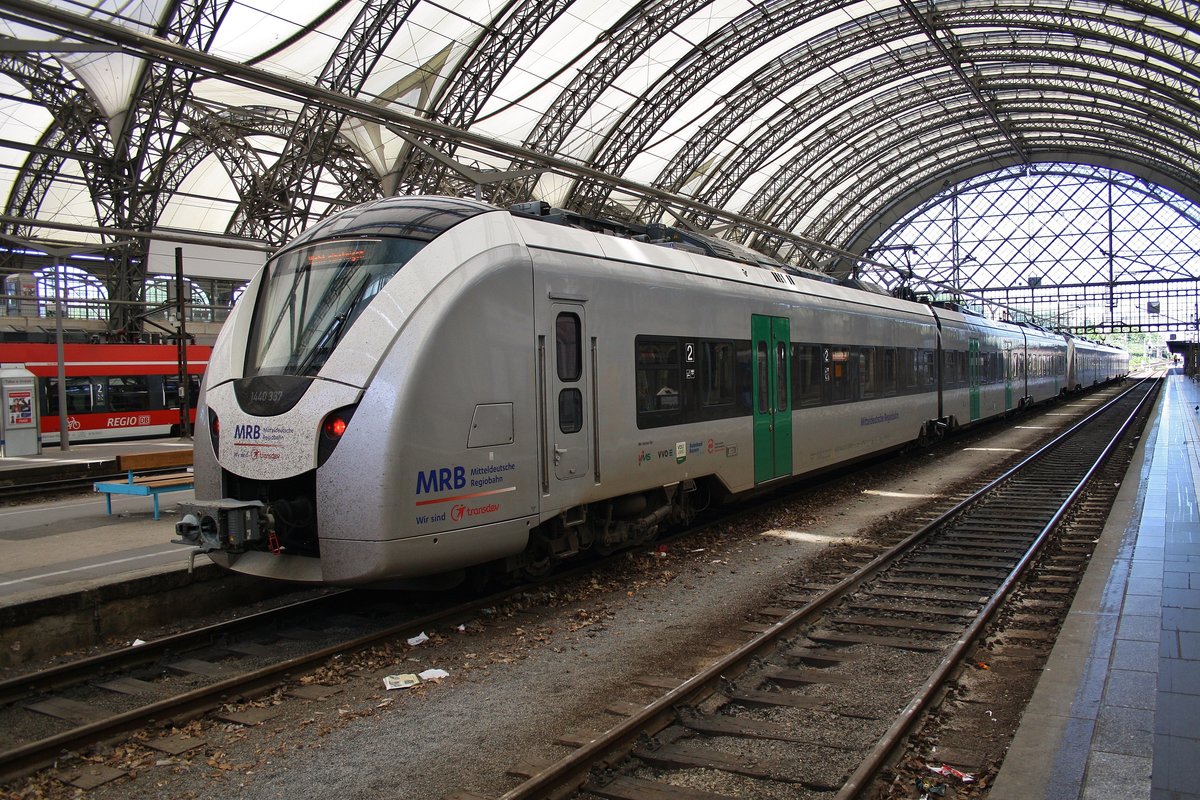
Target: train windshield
x,y
312,295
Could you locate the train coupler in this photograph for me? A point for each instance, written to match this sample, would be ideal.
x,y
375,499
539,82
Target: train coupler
x,y
228,525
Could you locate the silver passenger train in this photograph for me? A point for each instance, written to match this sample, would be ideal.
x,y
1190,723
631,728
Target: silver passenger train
x,y
422,385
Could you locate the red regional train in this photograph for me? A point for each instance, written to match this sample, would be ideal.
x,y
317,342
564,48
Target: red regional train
x,y
114,391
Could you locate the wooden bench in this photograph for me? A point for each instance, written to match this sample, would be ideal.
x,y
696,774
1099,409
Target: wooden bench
x,y
149,485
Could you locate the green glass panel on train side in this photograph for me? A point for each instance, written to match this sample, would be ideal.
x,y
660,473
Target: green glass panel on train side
x,y
770,337
973,366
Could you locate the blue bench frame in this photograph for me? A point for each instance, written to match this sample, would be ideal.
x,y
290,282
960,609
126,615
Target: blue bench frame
x,y
148,485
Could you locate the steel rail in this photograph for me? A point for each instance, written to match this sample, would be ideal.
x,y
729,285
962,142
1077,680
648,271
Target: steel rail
x,y
862,777
574,768
33,755
75,672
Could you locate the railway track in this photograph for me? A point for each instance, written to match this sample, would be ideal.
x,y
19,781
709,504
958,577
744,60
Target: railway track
x,y
787,715
65,708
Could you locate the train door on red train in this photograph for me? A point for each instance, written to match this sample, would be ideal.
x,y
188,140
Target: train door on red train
x,y
570,433
772,397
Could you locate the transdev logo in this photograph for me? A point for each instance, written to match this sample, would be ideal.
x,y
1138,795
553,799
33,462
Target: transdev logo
x,y
459,512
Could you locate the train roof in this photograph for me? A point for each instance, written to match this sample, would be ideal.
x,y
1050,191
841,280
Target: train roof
x,y
412,217
676,238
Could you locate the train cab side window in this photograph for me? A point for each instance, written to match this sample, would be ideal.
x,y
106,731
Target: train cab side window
x,y
568,346
570,411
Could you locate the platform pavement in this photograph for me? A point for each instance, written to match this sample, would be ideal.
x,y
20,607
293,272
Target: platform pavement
x,y
53,548
1116,714
84,453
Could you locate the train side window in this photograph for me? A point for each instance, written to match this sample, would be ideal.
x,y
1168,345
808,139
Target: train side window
x,y
745,379
570,411
170,385
889,370
928,361
657,381
716,364
806,375
568,345
128,393
79,396
870,381
840,383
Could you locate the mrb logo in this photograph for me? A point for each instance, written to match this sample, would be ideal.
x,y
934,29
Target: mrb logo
x,y
247,432
441,480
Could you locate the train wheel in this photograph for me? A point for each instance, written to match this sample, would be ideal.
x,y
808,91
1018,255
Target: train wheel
x,y
930,434
538,560
476,580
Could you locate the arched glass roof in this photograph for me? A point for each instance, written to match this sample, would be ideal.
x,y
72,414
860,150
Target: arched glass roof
x,y
811,127
1061,245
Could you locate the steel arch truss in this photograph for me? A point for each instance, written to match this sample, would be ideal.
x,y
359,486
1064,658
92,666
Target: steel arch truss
x,y
80,126
1124,89
284,199
1138,76
493,55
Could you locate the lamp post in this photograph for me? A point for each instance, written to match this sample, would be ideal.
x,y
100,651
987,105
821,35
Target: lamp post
x,y
64,436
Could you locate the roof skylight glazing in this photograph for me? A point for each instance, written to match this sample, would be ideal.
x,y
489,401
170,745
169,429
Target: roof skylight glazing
x,y
826,120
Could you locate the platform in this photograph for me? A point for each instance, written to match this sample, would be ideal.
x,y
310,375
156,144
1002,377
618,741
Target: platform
x,y
1116,714
54,548
87,454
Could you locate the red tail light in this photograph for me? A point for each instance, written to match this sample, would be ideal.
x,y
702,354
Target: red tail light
x,y
335,427
332,429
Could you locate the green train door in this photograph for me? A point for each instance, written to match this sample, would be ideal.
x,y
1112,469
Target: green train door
x,y
973,367
770,339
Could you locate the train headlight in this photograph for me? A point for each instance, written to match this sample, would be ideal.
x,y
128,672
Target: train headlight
x,y
332,428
